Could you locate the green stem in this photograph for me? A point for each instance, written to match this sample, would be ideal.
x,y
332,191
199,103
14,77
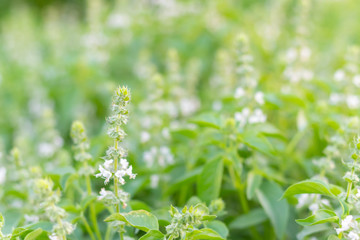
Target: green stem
x,y
349,186
116,187
88,228
238,186
92,207
108,233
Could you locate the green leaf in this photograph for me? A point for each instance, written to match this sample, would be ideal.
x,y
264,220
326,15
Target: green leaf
x,y
185,179
34,234
204,233
219,227
258,142
308,186
344,206
207,120
153,235
253,182
86,201
321,216
277,210
333,237
139,219
209,181
311,230
252,218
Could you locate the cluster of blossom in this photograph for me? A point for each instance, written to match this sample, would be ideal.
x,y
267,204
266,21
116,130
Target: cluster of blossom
x,y
168,9
350,228
161,155
298,57
109,198
312,201
348,80
187,220
51,141
115,165
246,116
246,93
48,200
296,70
222,79
81,142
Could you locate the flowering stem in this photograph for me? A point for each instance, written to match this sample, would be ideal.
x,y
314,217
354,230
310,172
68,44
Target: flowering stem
x,y
116,190
92,209
88,228
349,185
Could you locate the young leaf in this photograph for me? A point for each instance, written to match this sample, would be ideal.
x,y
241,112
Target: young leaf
x,y
321,216
219,227
252,218
277,210
34,234
204,233
139,219
253,182
209,182
308,186
153,235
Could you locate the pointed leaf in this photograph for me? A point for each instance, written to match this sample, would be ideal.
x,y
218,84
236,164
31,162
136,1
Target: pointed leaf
x,y
277,210
139,219
321,216
209,182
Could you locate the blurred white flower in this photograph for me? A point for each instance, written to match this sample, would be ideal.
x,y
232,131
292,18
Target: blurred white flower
x,y
339,75
346,224
154,180
291,55
335,98
217,105
46,149
356,80
305,53
259,98
145,137
239,92
104,173
2,175
352,101
118,20
188,106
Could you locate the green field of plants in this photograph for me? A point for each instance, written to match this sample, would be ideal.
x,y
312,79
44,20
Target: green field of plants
x,y
179,120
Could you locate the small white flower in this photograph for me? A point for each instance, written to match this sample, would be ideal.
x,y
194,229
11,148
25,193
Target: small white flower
x,y
353,101
339,75
154,180
46,149
314,207
239,92
54,237
217,106
291,55
358,193
2,175
305,54
353,236
356,80
104,174
335,98
259,98
118,20
346,224
166,133
145,137
108,164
